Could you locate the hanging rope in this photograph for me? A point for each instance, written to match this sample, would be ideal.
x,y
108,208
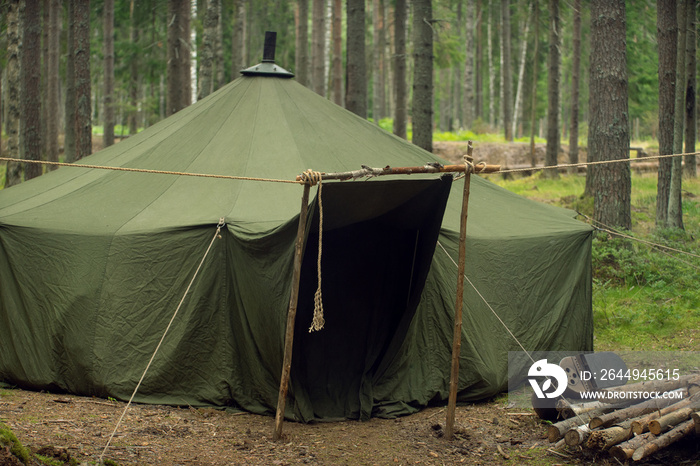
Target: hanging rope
x,y
312,177
172,319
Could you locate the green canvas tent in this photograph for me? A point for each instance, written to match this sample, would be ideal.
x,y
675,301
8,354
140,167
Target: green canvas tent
x,y
94,262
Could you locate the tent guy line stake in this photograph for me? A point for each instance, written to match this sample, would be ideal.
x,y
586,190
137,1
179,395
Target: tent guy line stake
x,y
206,253
457,335
292,313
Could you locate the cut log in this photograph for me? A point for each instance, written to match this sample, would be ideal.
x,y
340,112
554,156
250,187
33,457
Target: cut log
x,y
696,419
606,438
694,386
664,440
577,435
641,425
568,410
639,409
625,450
558,430
663,423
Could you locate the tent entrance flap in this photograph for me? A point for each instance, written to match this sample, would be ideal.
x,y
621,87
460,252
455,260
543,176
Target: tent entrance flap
x,y
378,243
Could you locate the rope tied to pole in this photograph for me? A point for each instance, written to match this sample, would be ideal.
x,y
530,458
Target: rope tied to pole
x,y
311,177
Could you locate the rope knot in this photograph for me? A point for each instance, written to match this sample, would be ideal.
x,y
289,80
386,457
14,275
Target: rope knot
x,y
311,177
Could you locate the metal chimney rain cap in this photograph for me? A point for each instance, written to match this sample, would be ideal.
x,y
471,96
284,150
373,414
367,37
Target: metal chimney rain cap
x,y
268,66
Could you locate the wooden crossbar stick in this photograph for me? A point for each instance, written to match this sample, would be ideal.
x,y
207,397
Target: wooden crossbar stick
x,y
427,168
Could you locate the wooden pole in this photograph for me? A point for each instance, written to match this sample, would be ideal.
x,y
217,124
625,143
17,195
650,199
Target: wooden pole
x,y
675,434
428,168
457,336
641,425
625,450
292,314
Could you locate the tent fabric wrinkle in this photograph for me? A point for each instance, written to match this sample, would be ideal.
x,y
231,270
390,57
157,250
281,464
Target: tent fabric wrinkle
x,y
94,262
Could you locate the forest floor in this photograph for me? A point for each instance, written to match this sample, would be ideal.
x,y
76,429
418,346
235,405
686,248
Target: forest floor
x,y
78,428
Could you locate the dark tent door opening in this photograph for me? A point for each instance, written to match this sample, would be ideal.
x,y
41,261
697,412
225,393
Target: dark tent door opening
x,y
378,242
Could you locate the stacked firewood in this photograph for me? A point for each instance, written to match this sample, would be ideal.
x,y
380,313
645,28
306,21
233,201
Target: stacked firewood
x,y
631,428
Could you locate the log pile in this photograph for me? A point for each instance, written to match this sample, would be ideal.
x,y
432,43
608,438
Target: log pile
x,y
632,431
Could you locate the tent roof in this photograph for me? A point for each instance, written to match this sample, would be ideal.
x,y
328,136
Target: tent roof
x,y
259,127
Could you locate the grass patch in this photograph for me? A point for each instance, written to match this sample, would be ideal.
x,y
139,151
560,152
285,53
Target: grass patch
x,y
644,298
8,439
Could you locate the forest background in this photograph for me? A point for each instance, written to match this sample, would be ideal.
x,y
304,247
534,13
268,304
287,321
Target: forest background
x,y
445,69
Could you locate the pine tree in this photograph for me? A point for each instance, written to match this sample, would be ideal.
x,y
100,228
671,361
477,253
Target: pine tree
x,y
356,68
553,89
608,126
423,74
31,87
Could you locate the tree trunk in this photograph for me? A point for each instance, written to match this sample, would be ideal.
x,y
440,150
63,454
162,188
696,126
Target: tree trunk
x,y
238,51
401,110
608,135
133,73
337,75
30,91
44,116
575,75
553,90
468,106
356,68
423,74
108,102
379,93
507,71
174,83
53,118
186,42
479,82
675,208
667,30
533,103
317,47
219,78
492,71
521,73
301,57
13,175
206,57
69,118
691,169
83,103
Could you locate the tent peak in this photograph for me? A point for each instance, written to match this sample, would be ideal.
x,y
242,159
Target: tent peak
x,y
268,66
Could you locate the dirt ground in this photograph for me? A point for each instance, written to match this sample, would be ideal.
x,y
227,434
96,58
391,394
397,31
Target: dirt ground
x,y
486,433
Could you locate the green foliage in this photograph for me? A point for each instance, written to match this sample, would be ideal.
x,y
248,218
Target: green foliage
x,y
8,439
643,297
